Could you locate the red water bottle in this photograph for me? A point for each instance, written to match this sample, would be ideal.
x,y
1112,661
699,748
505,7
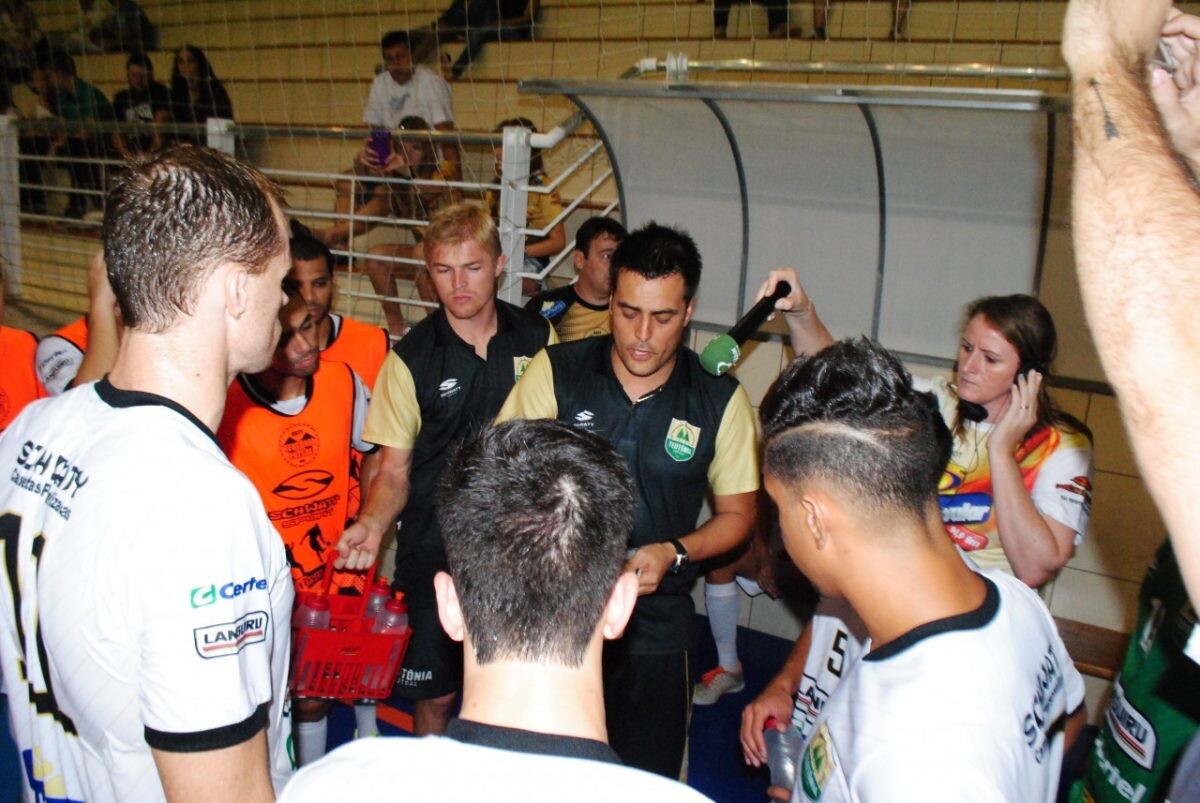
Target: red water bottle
x,y
393,619
313,611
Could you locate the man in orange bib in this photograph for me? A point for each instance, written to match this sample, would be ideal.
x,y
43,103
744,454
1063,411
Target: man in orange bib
x,y
19,384
292,429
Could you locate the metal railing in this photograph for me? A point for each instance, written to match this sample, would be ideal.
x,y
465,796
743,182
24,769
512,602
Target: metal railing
x,y
517,143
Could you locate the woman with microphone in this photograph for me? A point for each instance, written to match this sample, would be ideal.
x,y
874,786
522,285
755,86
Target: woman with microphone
x,y
1016,494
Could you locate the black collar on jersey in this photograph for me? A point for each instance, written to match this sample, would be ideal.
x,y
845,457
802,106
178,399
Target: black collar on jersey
x,y
604,365
581,301
260,398
971,620
445,335
114,396
523,741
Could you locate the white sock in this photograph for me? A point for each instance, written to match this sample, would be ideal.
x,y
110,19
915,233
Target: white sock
x,y
364,719
723,607
310,740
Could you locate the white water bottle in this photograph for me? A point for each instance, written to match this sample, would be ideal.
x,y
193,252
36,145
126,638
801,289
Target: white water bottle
x,y
393,618
783,750
380,593
313,611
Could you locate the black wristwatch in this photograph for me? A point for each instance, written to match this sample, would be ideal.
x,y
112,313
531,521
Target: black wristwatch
x,y
681,557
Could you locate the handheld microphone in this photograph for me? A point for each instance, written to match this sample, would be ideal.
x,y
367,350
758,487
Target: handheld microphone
x,y
725,350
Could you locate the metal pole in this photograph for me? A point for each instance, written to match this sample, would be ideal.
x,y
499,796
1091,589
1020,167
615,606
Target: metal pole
x,y
513,209
10,206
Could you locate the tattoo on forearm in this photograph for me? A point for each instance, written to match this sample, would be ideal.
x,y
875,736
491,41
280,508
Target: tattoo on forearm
x,y
1110,128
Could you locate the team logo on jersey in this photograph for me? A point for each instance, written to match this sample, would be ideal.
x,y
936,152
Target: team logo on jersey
x,y
449,388
299,445
682,440
817,763
584,418
304,485
550,309
228,638
1132,731
519,366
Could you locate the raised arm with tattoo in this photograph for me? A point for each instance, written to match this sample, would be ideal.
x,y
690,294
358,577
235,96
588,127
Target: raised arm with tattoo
x,y
1136,226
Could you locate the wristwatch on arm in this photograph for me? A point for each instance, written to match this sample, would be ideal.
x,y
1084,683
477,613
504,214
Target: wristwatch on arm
x,y
681,557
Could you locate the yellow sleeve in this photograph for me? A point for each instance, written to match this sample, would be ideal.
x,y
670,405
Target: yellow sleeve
x,y
394,415
533,395
734,469
553,338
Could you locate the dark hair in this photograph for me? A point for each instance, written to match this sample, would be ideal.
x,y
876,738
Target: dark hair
x,y
393,38
139,59
849,416
415,122
535,154
204,70
536,517
57,60
593,227
1028,326
309,248
654,252
171,218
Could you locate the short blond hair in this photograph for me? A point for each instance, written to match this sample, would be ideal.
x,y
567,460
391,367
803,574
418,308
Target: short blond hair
x,y
460,223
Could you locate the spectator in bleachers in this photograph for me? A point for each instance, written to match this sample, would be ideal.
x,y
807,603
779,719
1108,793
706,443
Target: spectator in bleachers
x,y
405,88
414,159
541,208
196,92
900,11
481,21
33,197
19,39
78,103
777,16
145,101
118,25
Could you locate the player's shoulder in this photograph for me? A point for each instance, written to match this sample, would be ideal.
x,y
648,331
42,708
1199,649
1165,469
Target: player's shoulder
x,y
552,304
525,325
18,338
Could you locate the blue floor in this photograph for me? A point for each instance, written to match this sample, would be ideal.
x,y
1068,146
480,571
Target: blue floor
x,y
715,765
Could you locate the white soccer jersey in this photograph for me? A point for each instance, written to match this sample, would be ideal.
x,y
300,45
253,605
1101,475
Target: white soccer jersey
x,y
966,708
144,597
837,642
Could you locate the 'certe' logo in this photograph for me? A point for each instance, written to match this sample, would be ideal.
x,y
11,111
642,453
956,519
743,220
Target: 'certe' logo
x,y
299,445
682,440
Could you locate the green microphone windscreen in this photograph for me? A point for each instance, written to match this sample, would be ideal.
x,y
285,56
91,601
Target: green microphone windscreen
x,y
721,354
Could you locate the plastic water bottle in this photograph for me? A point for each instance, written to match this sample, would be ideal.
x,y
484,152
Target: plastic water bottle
x,y
312,611
393,618
380,593
783,749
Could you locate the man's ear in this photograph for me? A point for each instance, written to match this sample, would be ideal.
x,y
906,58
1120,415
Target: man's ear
x,y
819,516
501,261
449,611
691,308
578,257
619,607
236,282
